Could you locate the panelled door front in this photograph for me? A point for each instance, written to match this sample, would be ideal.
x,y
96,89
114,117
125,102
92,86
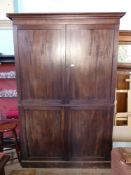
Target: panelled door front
x,y
42,67
66,97
89,82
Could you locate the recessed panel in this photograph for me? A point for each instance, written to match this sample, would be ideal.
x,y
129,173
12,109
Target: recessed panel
x,y
89,63
90,134
42,59
44,134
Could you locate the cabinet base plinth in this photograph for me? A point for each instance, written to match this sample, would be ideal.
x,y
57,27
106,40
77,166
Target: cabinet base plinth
x,y
65,164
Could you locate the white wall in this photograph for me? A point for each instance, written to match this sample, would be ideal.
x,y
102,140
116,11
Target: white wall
x,y
80,6
6,42
67,6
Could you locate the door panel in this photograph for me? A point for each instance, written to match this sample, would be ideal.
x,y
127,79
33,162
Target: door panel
x,y
89,83
44,133
42,60
90,134
89,63
41,69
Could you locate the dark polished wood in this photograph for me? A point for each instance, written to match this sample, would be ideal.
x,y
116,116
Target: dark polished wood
x,y
66,69
66,164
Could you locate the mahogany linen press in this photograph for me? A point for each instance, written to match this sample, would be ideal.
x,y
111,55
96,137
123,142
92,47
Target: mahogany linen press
x,y
66,70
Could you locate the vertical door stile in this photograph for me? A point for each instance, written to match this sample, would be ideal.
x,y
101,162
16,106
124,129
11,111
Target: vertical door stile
x,y
67,58
64,67
66,105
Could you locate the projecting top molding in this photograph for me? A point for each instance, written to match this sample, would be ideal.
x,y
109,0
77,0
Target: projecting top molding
x,y
66,18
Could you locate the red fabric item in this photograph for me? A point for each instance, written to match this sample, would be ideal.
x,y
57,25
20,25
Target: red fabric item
x,y
12,114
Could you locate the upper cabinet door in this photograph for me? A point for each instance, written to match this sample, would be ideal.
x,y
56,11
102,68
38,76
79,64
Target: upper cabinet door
x,y
89,63
41,53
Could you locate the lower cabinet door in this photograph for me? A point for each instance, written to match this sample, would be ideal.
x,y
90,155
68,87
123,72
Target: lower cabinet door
x,y
67,136
43,134
90,135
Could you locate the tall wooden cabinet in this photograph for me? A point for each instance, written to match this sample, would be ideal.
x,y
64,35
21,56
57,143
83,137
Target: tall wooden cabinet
x,y
66,69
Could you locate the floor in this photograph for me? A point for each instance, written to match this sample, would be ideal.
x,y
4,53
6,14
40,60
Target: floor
x,y
12,166
15,169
